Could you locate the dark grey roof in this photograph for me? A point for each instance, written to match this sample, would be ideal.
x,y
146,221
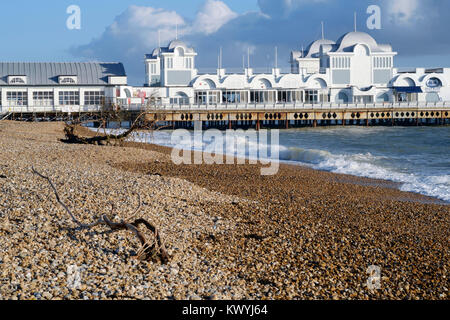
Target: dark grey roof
x,y
47,73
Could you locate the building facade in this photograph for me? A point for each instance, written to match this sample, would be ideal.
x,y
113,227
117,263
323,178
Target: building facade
x,y
355,69
64,87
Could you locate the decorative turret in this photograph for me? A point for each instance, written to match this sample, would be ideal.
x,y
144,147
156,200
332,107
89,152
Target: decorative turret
x,y
173,65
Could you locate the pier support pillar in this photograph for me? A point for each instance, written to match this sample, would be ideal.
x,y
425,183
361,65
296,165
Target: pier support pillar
x,y
367,122
287,121
314,123
230,125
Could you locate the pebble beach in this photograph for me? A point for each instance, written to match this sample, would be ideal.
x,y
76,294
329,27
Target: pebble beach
x,y
230,232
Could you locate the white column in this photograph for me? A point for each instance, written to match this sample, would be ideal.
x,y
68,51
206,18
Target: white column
x,y
81,92
55,98
4,96
30,97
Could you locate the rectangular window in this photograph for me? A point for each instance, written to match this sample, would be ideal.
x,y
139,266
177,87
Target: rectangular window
x,y
188,63
43,98
324,97
289,96
179,100
153,68
234,96
69,98
262,96
201,97
363,99
311,96
17,98
214,97
94,98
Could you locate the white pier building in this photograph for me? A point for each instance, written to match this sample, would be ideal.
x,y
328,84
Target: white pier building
x,y
355,69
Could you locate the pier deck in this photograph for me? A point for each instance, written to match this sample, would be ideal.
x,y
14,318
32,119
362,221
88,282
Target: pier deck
x,y
281,115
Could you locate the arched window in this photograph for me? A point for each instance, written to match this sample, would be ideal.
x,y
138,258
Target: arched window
x,y
67,81
342,97
263,84
434,83
180,98
17,80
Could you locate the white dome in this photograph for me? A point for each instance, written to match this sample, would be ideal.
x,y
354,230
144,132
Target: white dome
x,y
178,43
351,39
314,48
156,52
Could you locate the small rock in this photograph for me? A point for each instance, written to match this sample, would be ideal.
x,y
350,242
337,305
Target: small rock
x,y
47,295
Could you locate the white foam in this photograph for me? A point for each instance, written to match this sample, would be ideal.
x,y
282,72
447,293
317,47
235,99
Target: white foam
x,y
359,164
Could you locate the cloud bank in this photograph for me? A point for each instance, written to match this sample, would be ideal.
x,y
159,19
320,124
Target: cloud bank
x,y
413,27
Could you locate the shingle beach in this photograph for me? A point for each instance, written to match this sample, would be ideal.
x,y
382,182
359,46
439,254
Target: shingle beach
x,y
230,232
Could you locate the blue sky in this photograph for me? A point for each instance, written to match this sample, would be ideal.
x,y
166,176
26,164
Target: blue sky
x,y
124,30
36,30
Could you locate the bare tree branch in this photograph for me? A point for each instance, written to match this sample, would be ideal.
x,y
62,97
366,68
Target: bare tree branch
x,y
146,250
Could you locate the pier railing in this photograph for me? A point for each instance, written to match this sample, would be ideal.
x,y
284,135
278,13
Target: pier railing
x,y
4,110
300,106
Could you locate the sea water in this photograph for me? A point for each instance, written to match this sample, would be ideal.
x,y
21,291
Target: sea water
x,y
416,157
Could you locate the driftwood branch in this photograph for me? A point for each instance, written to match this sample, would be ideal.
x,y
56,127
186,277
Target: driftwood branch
x,y
72,137
148,249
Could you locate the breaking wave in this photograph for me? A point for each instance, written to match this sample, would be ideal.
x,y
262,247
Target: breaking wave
x,y
346,155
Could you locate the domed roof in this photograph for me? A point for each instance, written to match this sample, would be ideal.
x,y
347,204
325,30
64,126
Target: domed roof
x,y
156,52
314,47
353,38
178,43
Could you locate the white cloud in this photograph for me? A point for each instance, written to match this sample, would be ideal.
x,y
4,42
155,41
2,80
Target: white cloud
x,y
280,8
213,15
137,30
403,11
